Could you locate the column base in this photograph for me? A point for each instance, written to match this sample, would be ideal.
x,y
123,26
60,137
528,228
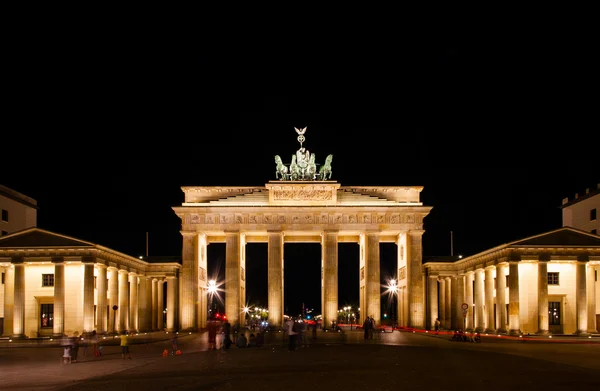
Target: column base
x,y
479,329
18,336
489,331
542,332
514,332
583,334
58,335
501,331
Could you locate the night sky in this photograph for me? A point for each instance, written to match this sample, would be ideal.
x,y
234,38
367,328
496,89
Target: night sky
x,y
497,131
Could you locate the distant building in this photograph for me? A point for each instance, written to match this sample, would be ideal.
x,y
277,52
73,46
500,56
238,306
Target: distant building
x,y
582,211
18,211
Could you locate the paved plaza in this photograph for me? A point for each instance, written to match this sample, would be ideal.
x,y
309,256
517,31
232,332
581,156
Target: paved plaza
x,y
396,360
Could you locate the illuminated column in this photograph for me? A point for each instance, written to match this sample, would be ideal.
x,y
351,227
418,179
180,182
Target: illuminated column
x,y
514,312
171,303
88,295
189,283
479,297
501,298
448,303
202,281
143,304
147,325
275,276
113,299
329,249
373,278
581,296
9,300
489,299
591,298
432,300
362,282
154,313
415,280
133,303
469,299
443,303
19,308
58,329
543,326
402,281
242,279
459,318
233,305
101,287
160,323
123,312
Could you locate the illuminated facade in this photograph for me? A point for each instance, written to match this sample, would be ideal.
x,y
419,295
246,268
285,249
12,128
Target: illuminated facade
x,y
54,285
17,211
582,211
545,284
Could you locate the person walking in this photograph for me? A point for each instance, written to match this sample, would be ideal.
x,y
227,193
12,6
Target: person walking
x,y
292,333
125,346
226,336
95,347
366,327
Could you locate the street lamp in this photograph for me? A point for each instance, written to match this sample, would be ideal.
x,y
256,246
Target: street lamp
x,y
393,289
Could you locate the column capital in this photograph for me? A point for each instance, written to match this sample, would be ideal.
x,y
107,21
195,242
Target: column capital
x,y
101,266
490,267
56,260
17,260
416,232
188,234
583,258
88,259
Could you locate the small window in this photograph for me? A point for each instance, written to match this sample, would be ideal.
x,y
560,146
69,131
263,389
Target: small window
x,y
495,283
4,233
594,231
553,278
507,280
592,214
2,277
47,315
95,282
4,215
47,279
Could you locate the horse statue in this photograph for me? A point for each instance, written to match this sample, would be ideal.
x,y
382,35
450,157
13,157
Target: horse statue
x,y
281,171
325,169
294,169
311,169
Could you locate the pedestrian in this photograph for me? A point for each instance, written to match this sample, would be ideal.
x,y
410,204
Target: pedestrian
x,y
212,334
437,325
74,346
292,333
302,334
226,335
371,326
95,347
125,345
366,327
174,346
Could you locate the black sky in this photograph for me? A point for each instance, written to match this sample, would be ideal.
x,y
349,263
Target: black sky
x,y
498,131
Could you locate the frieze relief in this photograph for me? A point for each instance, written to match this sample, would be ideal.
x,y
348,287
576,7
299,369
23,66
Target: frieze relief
x,y
308,218
302,195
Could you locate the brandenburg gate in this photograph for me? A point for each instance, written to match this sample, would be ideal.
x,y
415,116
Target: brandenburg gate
x,y
302,205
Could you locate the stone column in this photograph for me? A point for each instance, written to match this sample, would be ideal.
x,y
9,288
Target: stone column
x,y
330,277
160,323
148,304
514,312
469,299
58,330
88,295
19,308
9,300
189,283
123,312
415,279
581,296
543,325
113,298
233,304
443,303
143,306
460,298
101,287
133,303
479,297
242,320
373,278
154,312
489,300
432,300
275,276
501,298
402,291
591,298
448,303
171,303
362,281
202,281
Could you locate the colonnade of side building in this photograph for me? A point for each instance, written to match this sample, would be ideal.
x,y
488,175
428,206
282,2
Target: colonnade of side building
x,y
83,294
511,295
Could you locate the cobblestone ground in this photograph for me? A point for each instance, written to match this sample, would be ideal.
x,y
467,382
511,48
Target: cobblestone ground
x,y
399,361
